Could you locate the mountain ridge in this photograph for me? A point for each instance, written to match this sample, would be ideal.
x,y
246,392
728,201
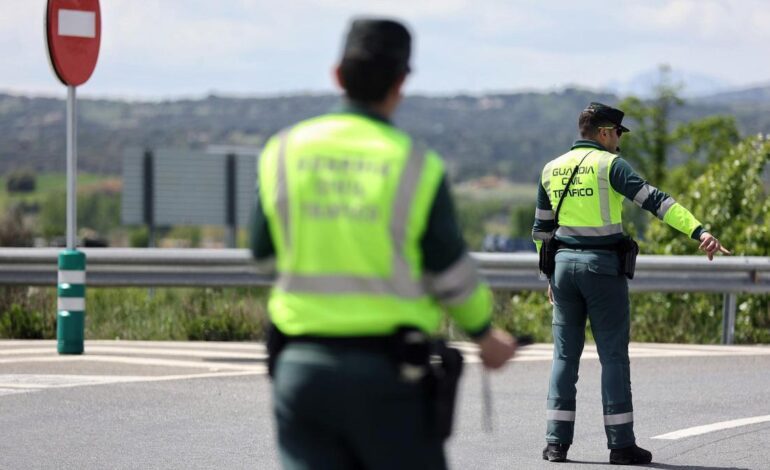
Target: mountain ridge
x,y
505,134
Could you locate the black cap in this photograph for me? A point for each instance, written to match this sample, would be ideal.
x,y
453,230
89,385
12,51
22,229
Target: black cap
x,y
614,116
378,40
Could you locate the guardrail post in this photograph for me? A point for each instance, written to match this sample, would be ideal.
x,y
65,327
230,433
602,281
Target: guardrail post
x,y
231,199
728,318
71,304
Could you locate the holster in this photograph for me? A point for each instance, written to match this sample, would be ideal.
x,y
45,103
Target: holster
x,y
443,381
628,250
275,343
548,249
437,366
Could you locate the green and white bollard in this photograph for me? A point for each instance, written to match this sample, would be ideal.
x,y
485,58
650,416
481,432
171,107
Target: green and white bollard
x,y
71,305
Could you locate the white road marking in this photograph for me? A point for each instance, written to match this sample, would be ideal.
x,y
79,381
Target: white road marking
x,y
22,383
249,357
142,361
544,352
698,430
146,351
12,391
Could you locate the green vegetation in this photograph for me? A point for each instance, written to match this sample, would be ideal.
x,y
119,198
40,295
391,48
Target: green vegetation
x,y
134,313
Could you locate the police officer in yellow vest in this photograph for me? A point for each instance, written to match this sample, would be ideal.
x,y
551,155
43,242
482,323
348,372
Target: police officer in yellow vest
x,y
588,279
368,255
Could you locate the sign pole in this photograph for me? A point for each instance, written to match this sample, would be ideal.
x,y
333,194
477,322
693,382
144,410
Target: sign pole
x,y
72,162
70,320
73,36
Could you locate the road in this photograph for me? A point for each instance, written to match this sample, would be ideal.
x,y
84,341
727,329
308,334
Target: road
x,y
187,405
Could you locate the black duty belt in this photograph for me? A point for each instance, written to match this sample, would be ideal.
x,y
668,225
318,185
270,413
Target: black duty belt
x,y
608,246
368,343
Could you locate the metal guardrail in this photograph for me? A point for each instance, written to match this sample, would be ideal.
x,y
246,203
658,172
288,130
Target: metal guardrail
x,y
152,267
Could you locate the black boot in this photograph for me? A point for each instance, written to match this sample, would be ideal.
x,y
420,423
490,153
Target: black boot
x,y
555,452
630,455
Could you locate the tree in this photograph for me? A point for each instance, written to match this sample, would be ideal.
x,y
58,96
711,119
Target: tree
x,y
731,199
647,147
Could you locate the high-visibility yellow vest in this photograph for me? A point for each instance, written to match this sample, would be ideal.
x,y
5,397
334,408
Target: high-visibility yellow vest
x,y
347,199
592,208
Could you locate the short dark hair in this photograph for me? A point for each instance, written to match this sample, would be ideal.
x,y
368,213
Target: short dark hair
x,y
369,81
589,123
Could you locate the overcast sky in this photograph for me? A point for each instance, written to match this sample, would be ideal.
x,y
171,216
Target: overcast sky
x,y
181,48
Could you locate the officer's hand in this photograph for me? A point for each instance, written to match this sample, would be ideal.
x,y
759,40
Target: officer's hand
x,y
497,347
550,293
711,245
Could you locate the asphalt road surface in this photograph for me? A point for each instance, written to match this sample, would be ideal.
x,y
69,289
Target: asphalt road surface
x,y
127,404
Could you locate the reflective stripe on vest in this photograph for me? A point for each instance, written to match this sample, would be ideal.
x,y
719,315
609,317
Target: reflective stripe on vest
x,y
590,231
282,188
604,189
455,284
400,282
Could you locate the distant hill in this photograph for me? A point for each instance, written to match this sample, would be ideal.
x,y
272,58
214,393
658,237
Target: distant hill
x,y
692,84
754,95
510,135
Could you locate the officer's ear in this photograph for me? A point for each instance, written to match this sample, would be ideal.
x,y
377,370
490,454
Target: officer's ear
x,y
338,78
399,83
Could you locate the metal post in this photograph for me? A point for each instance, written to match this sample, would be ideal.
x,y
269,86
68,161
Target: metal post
x,y
148,199
728,318
72,162
230,200
71,291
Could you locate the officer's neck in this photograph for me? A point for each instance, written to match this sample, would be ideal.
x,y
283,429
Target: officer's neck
x,y
387,107
606,144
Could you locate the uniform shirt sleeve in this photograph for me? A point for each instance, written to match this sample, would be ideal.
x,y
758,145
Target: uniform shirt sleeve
x,y
261,243
451,274
442,243
544,217
627,182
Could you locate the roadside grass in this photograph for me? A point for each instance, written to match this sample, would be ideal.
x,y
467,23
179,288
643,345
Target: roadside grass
x,y
239,314
211,314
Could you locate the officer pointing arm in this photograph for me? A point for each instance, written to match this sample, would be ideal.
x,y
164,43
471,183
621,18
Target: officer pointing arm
x,y
587,186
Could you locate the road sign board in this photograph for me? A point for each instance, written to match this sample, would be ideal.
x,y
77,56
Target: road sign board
x,y
189,186
73,32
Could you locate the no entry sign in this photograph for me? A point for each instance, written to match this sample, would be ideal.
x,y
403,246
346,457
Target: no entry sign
x,y
74,30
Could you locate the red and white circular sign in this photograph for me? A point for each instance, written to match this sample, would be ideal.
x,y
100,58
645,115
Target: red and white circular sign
x,y
74,30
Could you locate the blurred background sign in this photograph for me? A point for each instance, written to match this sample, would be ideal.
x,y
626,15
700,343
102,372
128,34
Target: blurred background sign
x,y
167,187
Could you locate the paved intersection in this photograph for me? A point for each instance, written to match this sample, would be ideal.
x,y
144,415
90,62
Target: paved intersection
x,y
131,404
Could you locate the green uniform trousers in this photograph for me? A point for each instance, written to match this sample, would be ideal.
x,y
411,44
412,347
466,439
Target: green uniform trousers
x,y
588,284
345,408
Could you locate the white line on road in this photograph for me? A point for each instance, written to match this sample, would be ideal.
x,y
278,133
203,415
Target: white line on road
x,y
21,383
698,430
146,361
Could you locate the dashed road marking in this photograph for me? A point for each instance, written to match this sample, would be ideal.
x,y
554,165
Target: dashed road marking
x,y
698,430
